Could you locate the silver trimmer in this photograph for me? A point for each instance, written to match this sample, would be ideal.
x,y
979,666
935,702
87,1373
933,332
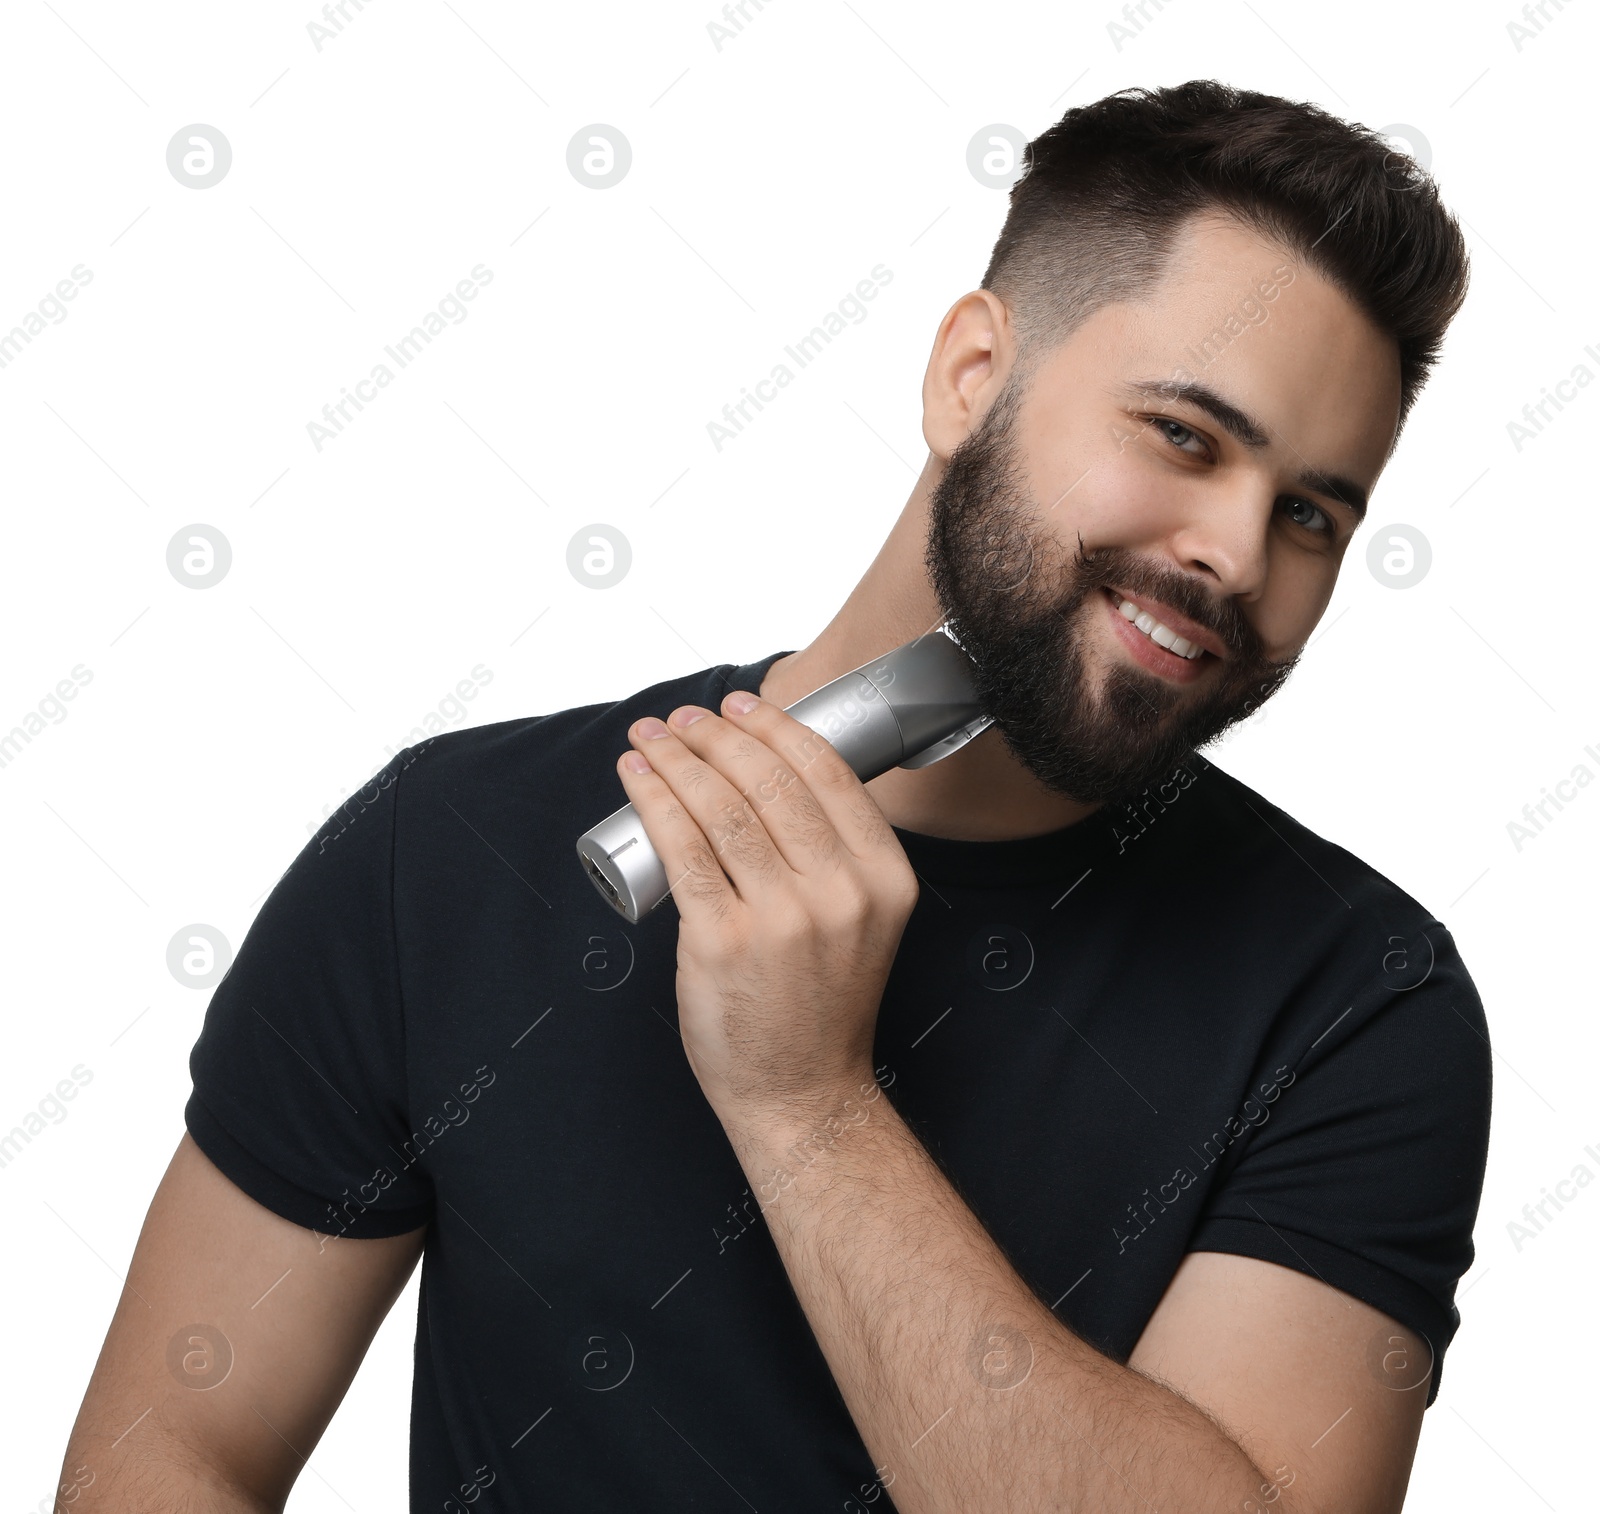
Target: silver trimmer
x,y
907,709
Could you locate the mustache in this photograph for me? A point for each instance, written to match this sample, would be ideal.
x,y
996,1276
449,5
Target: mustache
x,y
1119,568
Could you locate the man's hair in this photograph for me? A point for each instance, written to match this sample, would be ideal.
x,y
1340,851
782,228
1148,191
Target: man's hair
x,y
1105,191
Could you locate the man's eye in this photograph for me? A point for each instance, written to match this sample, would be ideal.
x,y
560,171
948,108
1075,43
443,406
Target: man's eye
x,y
1303,513
1168,427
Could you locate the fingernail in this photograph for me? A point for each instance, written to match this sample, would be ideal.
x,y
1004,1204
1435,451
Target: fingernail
x,y
740,702
687,716
636,762
651,728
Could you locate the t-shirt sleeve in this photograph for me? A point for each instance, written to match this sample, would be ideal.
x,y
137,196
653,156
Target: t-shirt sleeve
x,y
300,1070
1366,1168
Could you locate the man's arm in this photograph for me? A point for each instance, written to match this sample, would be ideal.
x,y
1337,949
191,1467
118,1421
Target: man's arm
x,y
234,1340
969,1393
1325,1392
964,1386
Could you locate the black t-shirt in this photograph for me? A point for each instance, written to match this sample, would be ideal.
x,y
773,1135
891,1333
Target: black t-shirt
x,y
1186,1023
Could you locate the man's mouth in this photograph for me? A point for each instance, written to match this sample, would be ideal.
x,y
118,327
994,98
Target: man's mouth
x,y
1162,635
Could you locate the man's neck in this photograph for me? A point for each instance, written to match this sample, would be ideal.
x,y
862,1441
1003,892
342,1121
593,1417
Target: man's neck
x,y
981,793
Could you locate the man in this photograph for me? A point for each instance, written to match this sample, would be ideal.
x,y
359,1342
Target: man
x,y
1060,1125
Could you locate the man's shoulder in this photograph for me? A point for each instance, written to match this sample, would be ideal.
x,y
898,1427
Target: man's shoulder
x,y
1315,901
1259,840
1370,976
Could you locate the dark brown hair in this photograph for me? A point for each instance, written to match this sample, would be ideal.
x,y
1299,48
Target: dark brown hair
x,y
1105,191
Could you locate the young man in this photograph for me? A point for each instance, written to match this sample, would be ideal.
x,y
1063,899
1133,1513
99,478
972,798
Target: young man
x,y
1061,1125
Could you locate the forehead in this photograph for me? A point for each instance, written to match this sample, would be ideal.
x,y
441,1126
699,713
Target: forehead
x,y
1243,314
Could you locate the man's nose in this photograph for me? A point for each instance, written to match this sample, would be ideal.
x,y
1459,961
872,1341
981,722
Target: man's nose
x,y
1223,537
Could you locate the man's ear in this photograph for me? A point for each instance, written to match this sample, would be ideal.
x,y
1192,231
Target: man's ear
x,y
973,353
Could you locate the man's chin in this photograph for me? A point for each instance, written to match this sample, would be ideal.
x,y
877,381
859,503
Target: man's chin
x,y
1110,759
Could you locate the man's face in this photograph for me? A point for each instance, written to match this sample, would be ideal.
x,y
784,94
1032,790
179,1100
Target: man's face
x,y
1083,500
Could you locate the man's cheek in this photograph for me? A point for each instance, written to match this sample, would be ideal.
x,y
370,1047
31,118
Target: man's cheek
x,y
1125,503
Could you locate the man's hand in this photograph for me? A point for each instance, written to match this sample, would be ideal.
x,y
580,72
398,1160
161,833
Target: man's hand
x,y
793,893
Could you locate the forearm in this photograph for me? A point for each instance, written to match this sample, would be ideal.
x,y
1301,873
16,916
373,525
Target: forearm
x,y
966,1389
146,1470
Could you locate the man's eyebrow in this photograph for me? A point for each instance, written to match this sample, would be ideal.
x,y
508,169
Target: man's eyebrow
x,y
1246,429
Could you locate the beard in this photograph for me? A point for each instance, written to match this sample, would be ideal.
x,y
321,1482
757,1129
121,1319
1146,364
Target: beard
x,y
1020,604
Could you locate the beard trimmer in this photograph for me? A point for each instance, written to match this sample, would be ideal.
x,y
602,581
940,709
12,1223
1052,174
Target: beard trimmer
x,y
907,709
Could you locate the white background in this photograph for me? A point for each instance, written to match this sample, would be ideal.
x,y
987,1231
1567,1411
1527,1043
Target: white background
x,y
369,577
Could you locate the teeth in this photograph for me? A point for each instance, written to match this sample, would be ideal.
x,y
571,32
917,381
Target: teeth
x,y
1163,636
